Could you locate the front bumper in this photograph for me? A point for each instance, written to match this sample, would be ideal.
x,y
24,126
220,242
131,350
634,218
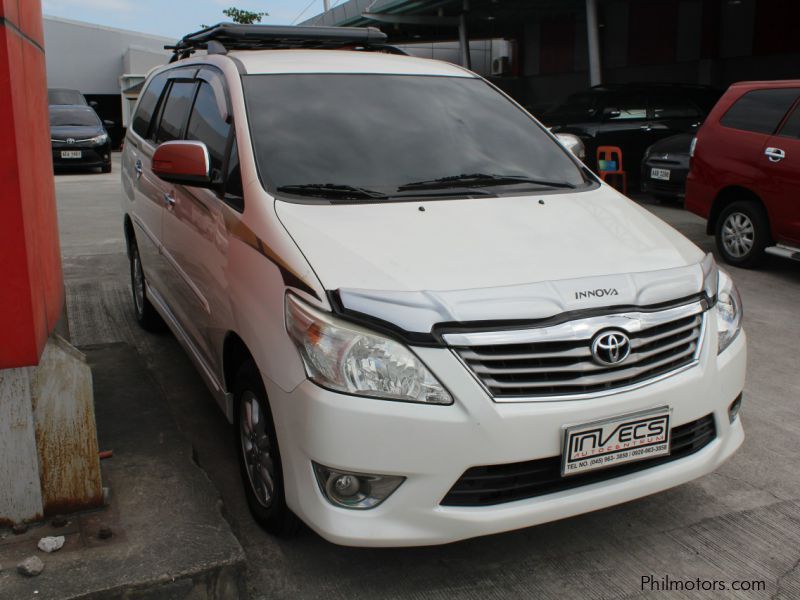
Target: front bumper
x,y
675,187
91,156
432,446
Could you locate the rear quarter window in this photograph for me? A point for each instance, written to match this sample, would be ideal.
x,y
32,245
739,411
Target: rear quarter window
x,y
760,111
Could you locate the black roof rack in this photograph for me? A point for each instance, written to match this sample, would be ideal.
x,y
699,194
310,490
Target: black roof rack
x,y
220,38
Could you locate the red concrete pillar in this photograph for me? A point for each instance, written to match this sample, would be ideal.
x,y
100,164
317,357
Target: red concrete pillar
x,y
31,283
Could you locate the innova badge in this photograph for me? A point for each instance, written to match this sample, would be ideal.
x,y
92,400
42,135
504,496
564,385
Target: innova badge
x,y
611,347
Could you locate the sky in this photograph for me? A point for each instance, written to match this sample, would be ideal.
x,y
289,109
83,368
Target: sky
x,y
176,18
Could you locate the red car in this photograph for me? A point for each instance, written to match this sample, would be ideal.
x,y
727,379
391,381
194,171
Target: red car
x,y
745,172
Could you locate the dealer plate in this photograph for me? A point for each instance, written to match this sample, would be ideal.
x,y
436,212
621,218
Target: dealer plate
x,y
70,154
615,441
662,174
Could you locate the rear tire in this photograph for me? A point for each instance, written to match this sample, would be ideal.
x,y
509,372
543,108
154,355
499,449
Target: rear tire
x,y
742,233
146,314
259,455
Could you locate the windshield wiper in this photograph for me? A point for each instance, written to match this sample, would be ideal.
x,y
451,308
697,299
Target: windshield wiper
x,y
332,190
481,179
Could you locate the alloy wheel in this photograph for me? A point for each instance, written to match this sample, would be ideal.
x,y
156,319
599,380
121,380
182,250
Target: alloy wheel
x,y
257,448
738,234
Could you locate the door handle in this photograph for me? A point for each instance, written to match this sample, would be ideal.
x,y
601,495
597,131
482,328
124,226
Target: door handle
x,y
137,166
775,154
169,199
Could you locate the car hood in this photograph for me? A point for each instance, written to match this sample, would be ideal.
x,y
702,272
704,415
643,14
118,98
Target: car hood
x,y
470,253
77,132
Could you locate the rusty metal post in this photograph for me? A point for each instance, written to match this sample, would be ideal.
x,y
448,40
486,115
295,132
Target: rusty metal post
x,y
49,461
66,436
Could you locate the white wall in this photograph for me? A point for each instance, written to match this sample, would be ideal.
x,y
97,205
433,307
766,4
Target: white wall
x,y
91,58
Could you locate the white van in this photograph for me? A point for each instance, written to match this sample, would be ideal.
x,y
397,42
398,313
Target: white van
x,y
425,318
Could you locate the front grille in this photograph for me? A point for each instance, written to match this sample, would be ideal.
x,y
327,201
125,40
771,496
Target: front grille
x,y
496,484
563,365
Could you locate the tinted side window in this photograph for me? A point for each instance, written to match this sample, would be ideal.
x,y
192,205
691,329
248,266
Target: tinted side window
x,y
792,126
148,103
760,110
207,125
176,109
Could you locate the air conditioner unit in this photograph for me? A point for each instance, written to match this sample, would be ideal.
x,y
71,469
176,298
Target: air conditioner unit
x,y
501,66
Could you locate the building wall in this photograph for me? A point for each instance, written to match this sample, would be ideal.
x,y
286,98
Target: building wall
x,y
482,52
91,58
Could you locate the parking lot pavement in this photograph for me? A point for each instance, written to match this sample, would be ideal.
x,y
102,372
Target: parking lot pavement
x,y
739,523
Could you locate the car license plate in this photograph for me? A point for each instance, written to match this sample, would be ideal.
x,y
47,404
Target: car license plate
x,y
615,441
662,174
70,154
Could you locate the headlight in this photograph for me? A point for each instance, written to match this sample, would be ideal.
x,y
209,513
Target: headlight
x,y
729,311
100,139
346,358
723,295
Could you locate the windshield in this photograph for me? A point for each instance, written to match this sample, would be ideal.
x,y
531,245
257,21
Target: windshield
x,y
75,117
379,136
65,97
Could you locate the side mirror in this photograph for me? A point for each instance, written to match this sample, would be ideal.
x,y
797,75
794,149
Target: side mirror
x,y
611,113
183,162
572,143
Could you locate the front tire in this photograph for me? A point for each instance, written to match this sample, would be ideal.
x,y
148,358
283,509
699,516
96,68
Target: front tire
x,y
146,314
107,168
259,455
742,233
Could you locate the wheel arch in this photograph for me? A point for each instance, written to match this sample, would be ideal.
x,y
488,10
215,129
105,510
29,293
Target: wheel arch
x,y
235,353
727,196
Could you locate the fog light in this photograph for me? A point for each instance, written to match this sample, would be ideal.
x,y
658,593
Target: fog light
x,y
733,409
346,485
355,490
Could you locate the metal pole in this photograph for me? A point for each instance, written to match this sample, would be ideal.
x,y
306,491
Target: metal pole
x,y
326,4
595,72
463,38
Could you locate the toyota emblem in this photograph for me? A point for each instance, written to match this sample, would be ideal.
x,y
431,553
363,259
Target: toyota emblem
x,y
70,140
611,347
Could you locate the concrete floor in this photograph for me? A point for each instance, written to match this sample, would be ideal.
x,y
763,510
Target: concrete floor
x,y
739,523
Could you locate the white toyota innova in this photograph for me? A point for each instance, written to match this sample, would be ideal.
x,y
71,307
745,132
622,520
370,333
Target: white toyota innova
x,y
426,319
